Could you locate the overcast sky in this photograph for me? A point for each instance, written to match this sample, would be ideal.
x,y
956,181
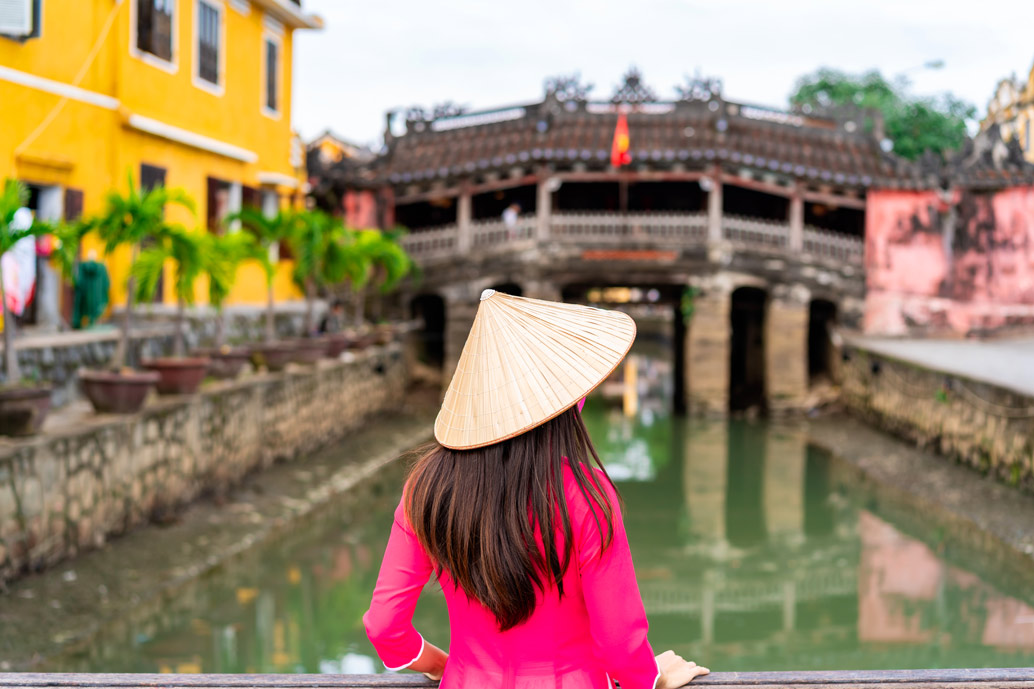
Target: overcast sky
x,y
376,55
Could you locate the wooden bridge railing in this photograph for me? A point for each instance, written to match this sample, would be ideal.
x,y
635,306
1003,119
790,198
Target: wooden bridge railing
x,y
1013,678
665,230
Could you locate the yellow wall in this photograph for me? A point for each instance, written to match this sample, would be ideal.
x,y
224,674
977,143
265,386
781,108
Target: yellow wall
x,y
93,146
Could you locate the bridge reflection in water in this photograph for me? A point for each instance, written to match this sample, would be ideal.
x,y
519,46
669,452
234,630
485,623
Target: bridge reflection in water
x,y
754,552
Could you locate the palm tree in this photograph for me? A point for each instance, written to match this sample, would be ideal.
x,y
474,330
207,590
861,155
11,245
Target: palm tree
x,y
388,261
269,232
16,223
130,219
186,250
222,256
321,254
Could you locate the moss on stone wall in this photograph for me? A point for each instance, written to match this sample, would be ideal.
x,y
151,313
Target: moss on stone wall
x,y
983,426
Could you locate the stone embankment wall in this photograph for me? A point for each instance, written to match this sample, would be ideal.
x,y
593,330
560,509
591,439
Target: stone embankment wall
x,y
64,492
56,358
984,426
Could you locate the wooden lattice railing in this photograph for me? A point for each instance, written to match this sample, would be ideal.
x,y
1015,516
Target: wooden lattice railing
x,y
869,679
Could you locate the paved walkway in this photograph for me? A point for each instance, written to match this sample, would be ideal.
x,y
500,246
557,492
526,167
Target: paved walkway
x,y
1007,363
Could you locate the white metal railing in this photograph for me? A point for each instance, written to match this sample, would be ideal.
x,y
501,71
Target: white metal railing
x,y
756,233
432,243
494,234
833,245
616,228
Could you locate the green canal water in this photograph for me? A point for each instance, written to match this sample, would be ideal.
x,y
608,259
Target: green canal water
x,y
754,551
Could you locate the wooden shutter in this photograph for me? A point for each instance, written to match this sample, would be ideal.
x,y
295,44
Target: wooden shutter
x,y
152,176
73,211
16,17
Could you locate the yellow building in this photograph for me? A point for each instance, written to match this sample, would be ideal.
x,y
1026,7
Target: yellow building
x,y
194,94
1012,108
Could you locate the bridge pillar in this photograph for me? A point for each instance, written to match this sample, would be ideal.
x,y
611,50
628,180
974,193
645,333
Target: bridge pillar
x,y
464,230
707,354
461,305
786,351
541,289
714,207
543,207
796,220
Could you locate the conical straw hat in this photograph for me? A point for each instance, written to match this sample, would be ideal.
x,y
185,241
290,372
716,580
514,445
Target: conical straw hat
x,y
525,362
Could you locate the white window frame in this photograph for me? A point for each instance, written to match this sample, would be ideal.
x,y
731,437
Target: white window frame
x,y
27,31
170,66
241,6
203,84
271,37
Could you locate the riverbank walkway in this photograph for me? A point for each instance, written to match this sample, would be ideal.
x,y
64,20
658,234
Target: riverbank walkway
x,y
1006,363
1010,678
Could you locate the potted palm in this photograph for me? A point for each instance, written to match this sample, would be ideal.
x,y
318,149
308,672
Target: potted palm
x,y
222,256
178,374
269,232
389,264
23,406
127,220
319,246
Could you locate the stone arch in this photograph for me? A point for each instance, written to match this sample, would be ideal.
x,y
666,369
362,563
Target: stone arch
x,y
747,349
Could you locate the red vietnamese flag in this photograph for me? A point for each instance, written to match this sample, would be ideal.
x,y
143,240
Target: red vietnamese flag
x,y
619,149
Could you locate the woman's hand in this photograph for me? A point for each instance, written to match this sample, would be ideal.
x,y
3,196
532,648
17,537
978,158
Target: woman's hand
x,y
676,672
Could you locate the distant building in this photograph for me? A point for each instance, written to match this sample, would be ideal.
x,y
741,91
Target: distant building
x,y
188,93
1012,109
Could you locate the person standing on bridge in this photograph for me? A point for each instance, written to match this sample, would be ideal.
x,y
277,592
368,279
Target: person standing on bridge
x,y
513,512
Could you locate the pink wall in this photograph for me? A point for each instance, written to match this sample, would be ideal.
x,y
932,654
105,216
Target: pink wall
x,y
360,209
961,263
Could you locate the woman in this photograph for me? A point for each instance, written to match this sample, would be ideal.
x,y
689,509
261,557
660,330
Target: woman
x,y
517,518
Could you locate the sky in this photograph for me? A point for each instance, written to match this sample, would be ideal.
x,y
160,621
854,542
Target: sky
x,y
376,55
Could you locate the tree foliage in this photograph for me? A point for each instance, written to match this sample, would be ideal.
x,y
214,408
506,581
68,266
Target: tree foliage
x,y
912,124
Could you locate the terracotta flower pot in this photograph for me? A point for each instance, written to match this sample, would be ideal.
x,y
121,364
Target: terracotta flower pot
x,y
23,409
225,363
336,344
115,392
178,376
275,356
309,351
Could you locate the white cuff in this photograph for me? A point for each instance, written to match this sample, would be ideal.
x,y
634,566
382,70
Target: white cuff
x,y
420,653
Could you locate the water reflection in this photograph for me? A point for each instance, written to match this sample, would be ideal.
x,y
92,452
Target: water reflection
x,y
751,553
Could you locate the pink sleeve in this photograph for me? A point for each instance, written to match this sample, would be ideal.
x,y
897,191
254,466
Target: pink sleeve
x,y
617,620
389,621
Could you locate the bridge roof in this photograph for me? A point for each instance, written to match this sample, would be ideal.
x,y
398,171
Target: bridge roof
x,y
687,134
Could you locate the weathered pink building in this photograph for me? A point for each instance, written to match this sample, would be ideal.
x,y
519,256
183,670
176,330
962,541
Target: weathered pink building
x,y
957,261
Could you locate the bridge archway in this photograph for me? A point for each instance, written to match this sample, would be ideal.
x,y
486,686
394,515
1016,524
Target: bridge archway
x,y
511,288
430,310
822,316
747,350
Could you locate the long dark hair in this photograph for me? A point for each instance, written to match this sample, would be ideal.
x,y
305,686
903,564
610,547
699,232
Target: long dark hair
x,y
476,513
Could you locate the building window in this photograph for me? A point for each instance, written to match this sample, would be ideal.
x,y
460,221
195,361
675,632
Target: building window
x,y
154,22
20,19
209,39
271,61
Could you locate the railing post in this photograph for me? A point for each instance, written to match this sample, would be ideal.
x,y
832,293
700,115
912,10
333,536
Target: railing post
x,y
464,230
543,208
714,206
796,240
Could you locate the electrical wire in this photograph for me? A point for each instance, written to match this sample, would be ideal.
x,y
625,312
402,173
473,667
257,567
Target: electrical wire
x,y
80,75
